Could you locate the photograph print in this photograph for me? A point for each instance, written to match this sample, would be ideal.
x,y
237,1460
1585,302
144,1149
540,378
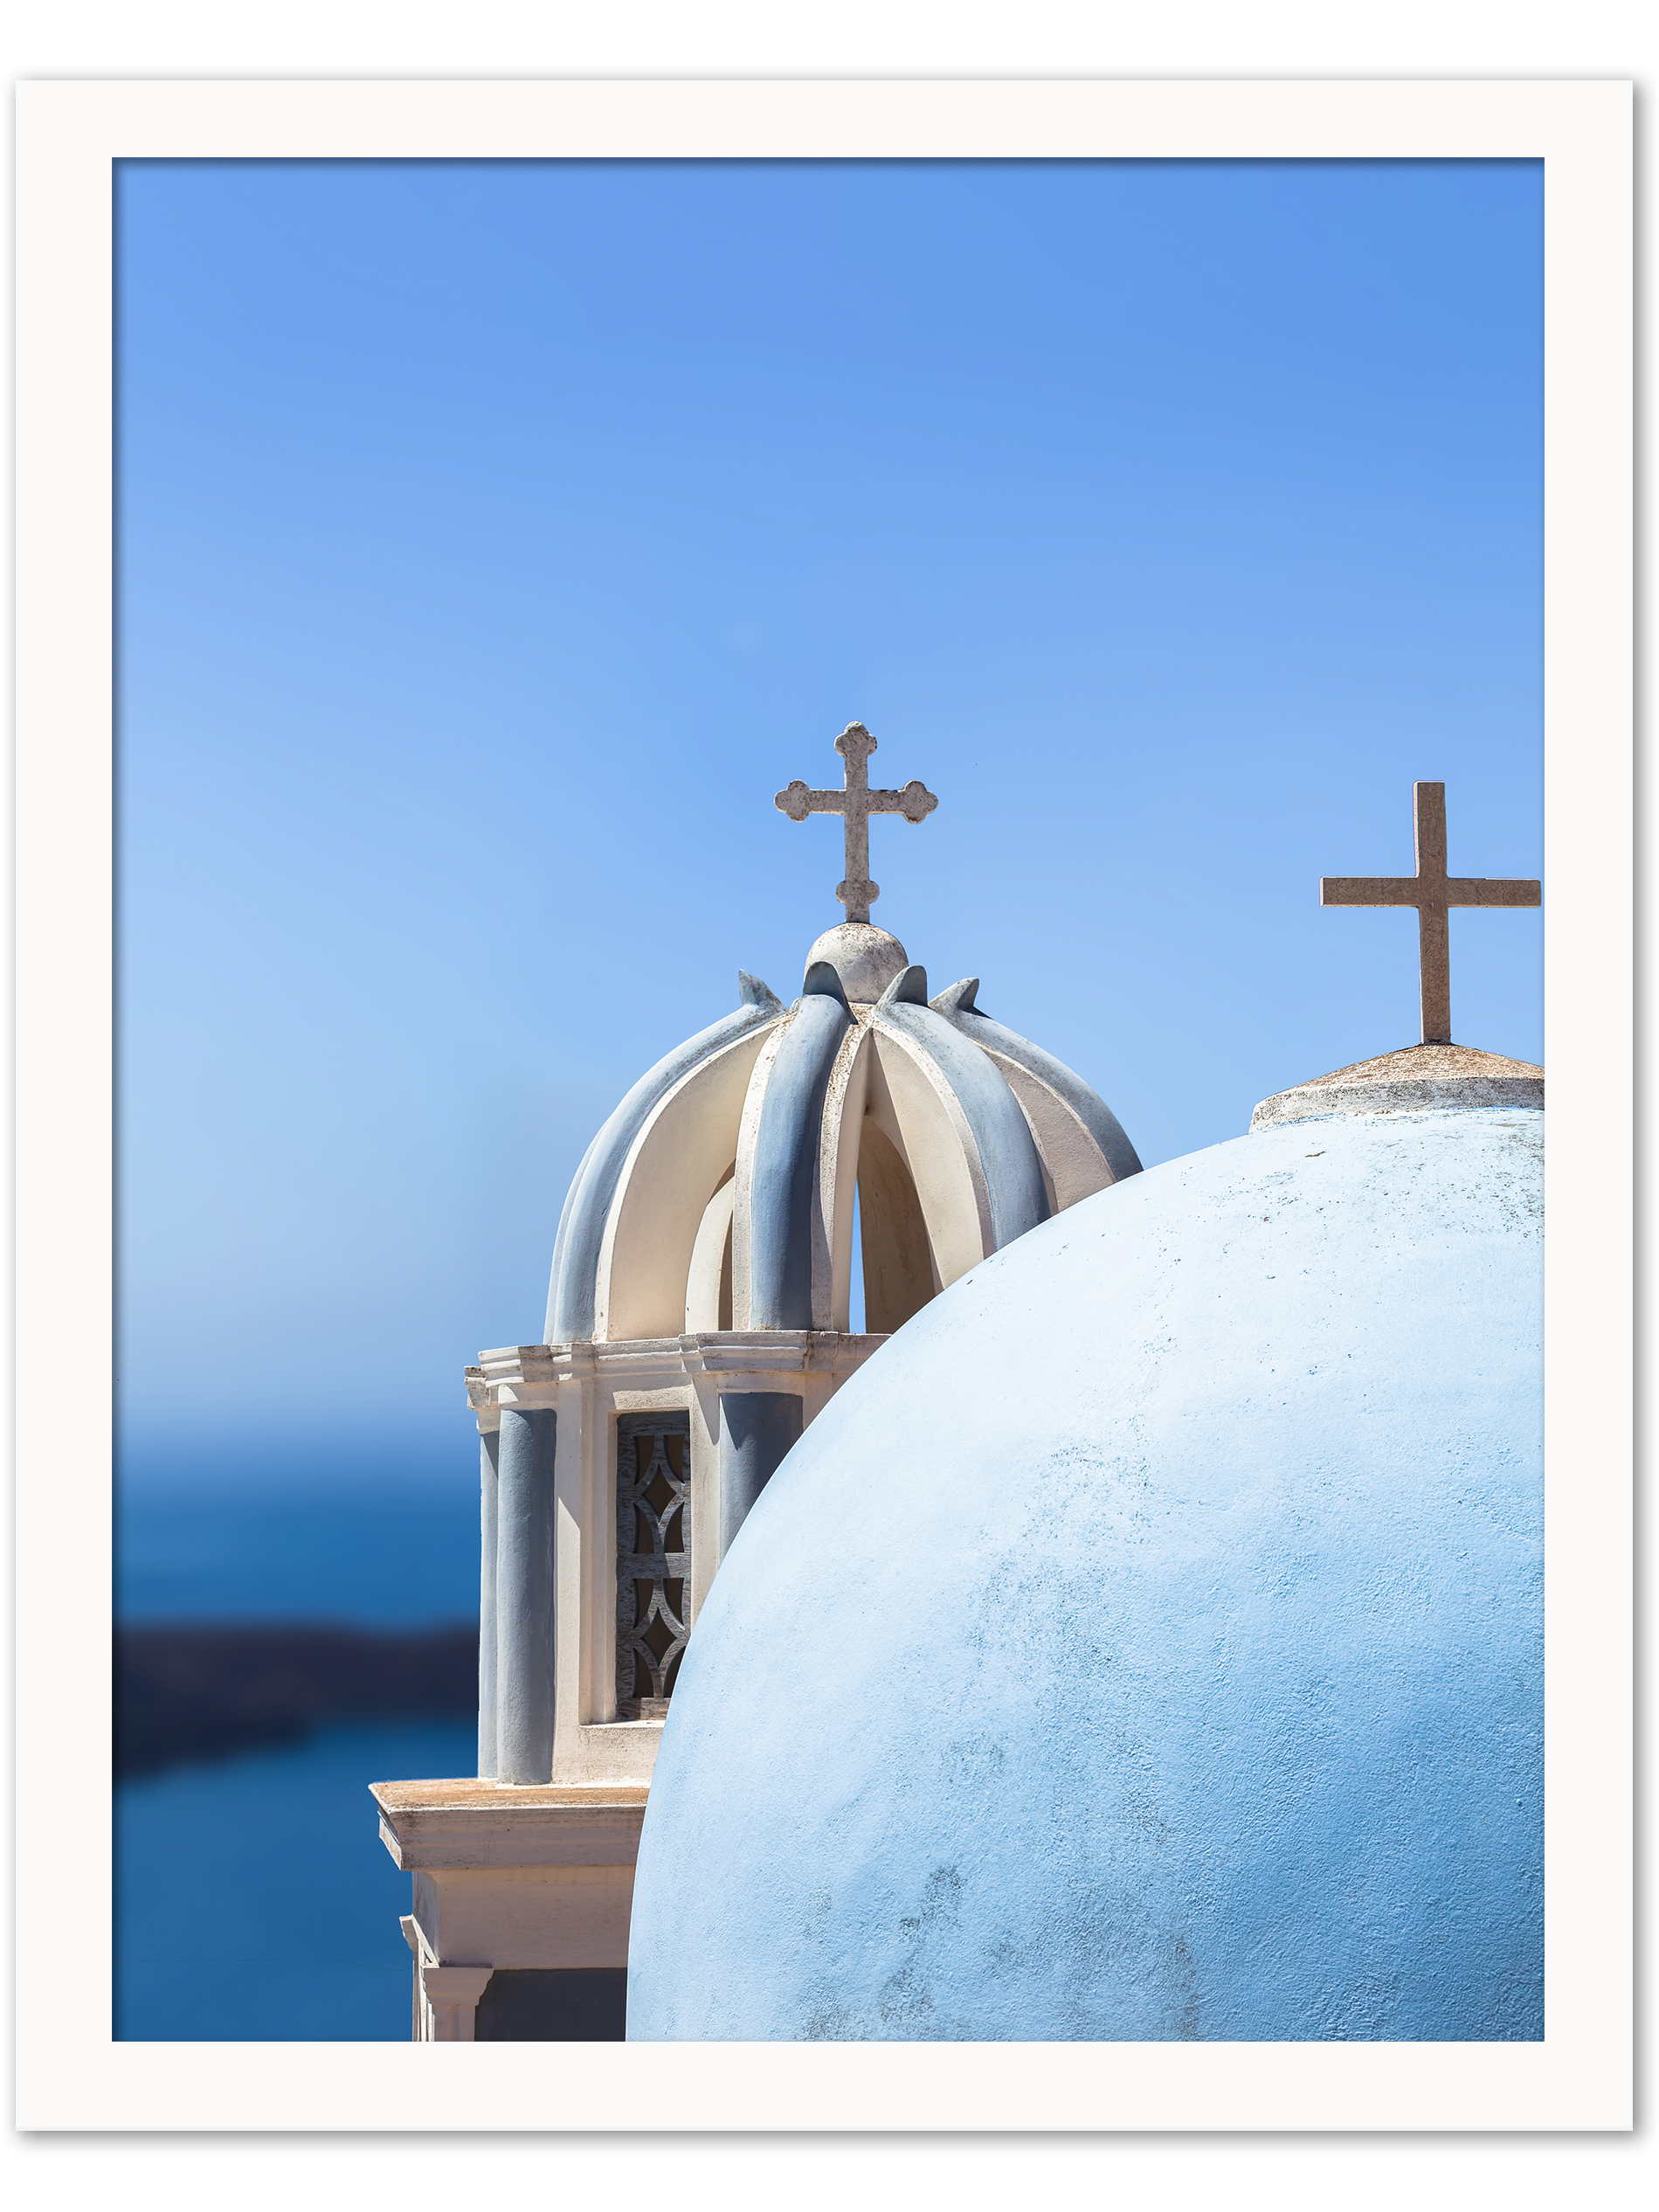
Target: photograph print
x,y
831,1101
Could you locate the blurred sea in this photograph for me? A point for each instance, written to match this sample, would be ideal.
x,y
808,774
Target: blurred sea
x,y
253,1898
377,1558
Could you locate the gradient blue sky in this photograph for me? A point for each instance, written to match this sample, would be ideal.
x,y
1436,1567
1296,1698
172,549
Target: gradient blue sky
x,y
493,541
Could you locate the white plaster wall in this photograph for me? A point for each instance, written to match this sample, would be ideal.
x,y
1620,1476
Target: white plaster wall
x,y
528,1916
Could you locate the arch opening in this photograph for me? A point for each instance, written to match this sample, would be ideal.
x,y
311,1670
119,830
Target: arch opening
x,y
899,1272
709,1277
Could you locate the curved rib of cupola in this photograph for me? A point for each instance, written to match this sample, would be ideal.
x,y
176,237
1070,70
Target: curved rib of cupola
x,y
776,1197
918,1047
596,1227
1081,1141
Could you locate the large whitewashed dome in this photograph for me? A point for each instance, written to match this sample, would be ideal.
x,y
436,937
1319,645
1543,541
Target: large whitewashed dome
x,y
1176,1663
719,1193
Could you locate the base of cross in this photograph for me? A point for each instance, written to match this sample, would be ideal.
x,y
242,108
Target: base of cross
x,y
858,898
1418,1079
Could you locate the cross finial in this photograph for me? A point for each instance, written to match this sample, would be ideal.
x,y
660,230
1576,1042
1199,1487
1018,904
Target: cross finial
x,y
855,802
1433,893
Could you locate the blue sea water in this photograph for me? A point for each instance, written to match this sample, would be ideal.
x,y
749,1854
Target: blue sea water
x,y
254,1900
383,1558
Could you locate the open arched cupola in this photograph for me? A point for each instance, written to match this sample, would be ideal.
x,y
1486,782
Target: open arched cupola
x,y
720,1195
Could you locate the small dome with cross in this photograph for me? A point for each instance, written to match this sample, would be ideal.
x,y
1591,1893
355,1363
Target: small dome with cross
x,y
721,1195
703,1310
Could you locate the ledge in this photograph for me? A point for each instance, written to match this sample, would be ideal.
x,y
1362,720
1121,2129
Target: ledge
x,y
438,1826
528,1375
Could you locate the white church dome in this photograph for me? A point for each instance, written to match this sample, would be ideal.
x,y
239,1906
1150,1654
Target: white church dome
x,y
1147,1643
719,1193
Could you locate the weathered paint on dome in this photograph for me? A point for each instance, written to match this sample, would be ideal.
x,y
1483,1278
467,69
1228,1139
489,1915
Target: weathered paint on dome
x,y
865,957
1145,1644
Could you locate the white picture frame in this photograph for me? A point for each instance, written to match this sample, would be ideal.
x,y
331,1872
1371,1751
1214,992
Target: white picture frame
x,y
71,2073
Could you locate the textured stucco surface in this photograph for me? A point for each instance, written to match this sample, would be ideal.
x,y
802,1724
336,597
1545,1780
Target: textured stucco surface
x,y
1146,1643
867,959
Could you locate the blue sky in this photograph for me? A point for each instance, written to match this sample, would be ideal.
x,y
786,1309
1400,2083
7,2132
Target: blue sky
x,y
493,541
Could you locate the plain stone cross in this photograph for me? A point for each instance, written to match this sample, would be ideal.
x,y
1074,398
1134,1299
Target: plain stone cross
x,y
855,802
1433,893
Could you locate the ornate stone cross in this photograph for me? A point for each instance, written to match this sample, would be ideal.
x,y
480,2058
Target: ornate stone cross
x,y
1433,893
855,802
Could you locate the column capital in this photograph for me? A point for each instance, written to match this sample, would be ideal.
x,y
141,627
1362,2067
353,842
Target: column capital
x,y
454,1985
450,1996
482,1401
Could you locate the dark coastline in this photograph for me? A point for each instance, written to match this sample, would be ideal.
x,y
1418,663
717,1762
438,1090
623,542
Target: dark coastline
x,y
186,1691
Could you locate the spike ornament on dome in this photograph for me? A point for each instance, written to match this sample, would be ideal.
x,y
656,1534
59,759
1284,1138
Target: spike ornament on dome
x,y
855,802
1433,893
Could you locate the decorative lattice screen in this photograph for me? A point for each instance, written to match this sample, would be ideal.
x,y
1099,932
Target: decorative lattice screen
x,y
654,1558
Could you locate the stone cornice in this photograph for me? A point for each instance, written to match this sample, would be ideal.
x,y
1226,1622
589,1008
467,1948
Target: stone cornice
x,y
530,1374
435,1827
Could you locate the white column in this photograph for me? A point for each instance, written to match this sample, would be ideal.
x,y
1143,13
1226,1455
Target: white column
x,y
417,2011
488,1447
756,1428
452,1995
524,1596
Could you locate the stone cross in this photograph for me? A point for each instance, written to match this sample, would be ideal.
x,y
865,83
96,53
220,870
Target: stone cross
x,y
1433,893
855,802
